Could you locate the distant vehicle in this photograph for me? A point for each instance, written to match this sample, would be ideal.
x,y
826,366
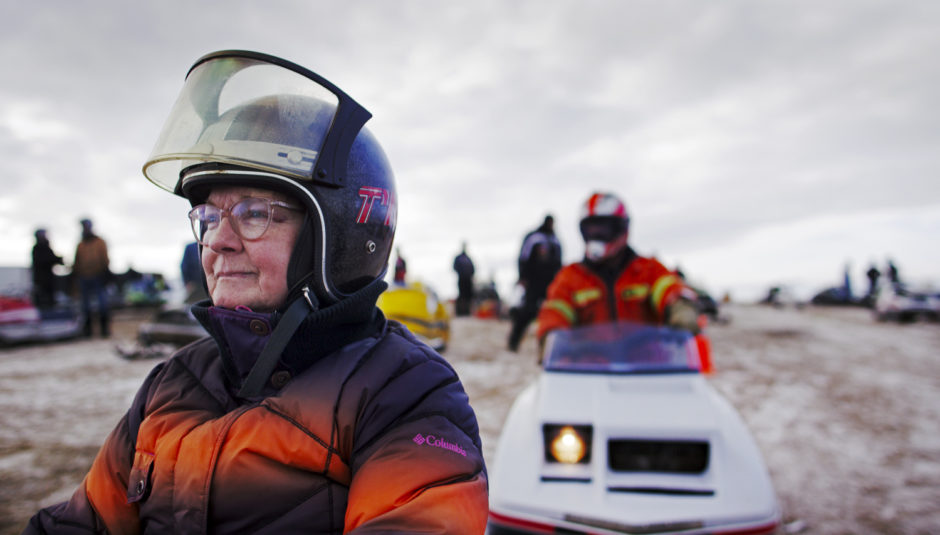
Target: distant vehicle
x,y
21,321
706,304
171,327
417,307
782,296
834,296
143,289
898,302
621,433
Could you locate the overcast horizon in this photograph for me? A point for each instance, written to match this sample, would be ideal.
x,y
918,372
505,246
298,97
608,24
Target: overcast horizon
x,y
755,143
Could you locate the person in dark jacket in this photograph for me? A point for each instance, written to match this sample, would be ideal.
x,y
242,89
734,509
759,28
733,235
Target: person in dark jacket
x,y
194,280
44,259
539,261
873,274
464,268
305,411
893,276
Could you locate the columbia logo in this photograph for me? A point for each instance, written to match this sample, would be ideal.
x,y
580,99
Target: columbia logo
x,y
432,440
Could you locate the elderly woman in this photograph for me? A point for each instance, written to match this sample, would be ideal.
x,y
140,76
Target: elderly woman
x,y
305,411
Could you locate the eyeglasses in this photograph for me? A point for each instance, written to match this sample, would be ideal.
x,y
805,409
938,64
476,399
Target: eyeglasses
x,y
249,218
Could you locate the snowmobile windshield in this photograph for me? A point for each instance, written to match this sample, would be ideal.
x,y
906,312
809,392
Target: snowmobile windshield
x,y
256,111
622,348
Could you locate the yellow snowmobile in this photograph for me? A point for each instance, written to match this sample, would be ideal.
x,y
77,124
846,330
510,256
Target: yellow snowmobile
x,y
417,307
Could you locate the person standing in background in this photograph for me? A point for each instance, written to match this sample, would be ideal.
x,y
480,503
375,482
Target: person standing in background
x,y
893,276
464,268
401,268
193,277
44,259
91,270
539,261
873,274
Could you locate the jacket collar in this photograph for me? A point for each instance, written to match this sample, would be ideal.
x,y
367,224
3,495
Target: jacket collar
x,y
609,270
241,334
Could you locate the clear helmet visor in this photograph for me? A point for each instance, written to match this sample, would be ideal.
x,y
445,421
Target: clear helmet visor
x,y
245,111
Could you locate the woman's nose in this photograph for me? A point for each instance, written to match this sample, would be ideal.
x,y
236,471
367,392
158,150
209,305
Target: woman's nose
x,y
224,237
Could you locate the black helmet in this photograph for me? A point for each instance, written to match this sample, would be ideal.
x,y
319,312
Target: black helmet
x,y
251,119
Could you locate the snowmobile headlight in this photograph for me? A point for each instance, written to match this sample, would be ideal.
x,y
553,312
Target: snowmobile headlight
x,y
568,444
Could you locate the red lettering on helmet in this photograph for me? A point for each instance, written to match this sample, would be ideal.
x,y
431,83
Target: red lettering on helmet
x,y
391,215
369,195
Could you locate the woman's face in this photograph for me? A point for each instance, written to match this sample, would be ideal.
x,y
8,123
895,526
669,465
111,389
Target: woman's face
x,y
249,273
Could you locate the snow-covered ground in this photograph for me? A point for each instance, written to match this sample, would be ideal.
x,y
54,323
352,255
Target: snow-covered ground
x,y
845,409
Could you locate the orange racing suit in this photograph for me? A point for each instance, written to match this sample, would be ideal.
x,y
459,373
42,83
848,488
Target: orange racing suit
x,y
580,296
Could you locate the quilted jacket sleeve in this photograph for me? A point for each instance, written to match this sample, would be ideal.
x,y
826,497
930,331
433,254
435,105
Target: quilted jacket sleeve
x,y
417,463
100,505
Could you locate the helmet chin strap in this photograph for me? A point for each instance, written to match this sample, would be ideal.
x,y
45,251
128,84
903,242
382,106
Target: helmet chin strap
x,y
283,332
302,275
311,298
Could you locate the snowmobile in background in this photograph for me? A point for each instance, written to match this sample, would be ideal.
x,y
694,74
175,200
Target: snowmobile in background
x,y
782,296
487,304
418,308
901,303
21,321
621,433
171,327
835,296
707,305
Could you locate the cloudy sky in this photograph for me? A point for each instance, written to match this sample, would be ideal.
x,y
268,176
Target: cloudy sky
x,y
755,143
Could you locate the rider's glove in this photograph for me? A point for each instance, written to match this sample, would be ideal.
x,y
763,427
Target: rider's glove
x,y
682,314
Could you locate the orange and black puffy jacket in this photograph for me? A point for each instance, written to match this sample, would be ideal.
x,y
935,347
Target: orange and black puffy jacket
x,y
376,435
580,296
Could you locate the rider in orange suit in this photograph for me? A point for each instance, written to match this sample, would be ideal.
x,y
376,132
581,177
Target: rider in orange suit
x,y
613,282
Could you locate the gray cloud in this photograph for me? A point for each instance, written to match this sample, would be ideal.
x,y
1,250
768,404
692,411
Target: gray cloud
x,y
713,120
